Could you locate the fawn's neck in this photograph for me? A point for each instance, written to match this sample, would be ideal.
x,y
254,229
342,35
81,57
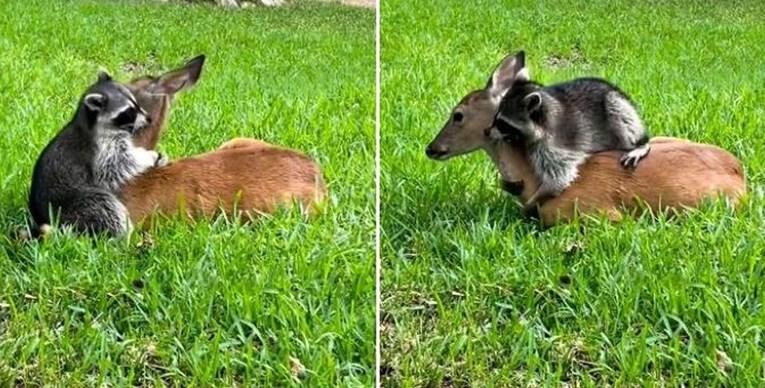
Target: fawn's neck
x,y
513,165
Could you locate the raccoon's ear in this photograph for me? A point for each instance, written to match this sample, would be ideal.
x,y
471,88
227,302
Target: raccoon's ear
x,y
533,102
95,101
104,76
511,69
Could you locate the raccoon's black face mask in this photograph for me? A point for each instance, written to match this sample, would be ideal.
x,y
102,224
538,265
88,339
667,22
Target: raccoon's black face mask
x,y
509,133
128,120
112,107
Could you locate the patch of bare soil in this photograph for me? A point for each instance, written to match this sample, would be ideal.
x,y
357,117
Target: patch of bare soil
x,y
356,3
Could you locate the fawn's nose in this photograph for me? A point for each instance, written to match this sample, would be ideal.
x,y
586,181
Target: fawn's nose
x,y
435,151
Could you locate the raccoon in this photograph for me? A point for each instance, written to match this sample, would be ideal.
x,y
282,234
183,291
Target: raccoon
x,y
79,173
563,124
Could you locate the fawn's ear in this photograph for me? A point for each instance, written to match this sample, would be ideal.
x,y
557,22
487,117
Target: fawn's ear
x,y
533,102
104,76
95,102
181,78
511,69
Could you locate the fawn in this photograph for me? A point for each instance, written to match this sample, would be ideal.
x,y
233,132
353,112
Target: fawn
x,y
247,175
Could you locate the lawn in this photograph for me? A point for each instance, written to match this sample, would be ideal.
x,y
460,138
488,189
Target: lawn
x,y
274,303
473,295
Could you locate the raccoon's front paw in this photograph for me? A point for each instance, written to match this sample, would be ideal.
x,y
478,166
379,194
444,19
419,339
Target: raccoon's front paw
x,y
632,158
161,160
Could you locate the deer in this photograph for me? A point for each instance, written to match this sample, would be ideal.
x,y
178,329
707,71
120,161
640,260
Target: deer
x,y
676,175
243,175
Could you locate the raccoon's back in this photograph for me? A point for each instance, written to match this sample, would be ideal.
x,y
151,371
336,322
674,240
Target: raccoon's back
x,y
585,96
584,122
60,170
584,87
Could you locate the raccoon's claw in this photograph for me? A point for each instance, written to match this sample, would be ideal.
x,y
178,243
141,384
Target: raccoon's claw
x,y
632,158
628,161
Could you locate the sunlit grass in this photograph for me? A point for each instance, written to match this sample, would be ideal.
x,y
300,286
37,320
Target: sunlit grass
x,y
474,295
212,303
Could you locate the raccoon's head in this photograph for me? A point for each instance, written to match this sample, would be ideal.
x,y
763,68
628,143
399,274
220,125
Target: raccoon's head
x,y
521,113
110,107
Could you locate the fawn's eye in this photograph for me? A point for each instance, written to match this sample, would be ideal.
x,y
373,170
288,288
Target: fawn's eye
x,y
457,117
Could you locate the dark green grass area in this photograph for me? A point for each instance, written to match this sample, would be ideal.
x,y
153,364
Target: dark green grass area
x,y
213,303
473,295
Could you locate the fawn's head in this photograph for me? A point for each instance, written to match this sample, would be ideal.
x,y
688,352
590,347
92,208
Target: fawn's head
x,y
155,95
467,126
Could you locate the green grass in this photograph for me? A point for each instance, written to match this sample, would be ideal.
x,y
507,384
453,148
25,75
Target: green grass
x,y
475,296
213,303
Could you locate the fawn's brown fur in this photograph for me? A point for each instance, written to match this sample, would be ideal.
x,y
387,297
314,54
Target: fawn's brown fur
x,y
677,174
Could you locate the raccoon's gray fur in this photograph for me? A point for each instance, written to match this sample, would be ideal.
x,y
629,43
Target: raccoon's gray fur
x,y
563,124
80,170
